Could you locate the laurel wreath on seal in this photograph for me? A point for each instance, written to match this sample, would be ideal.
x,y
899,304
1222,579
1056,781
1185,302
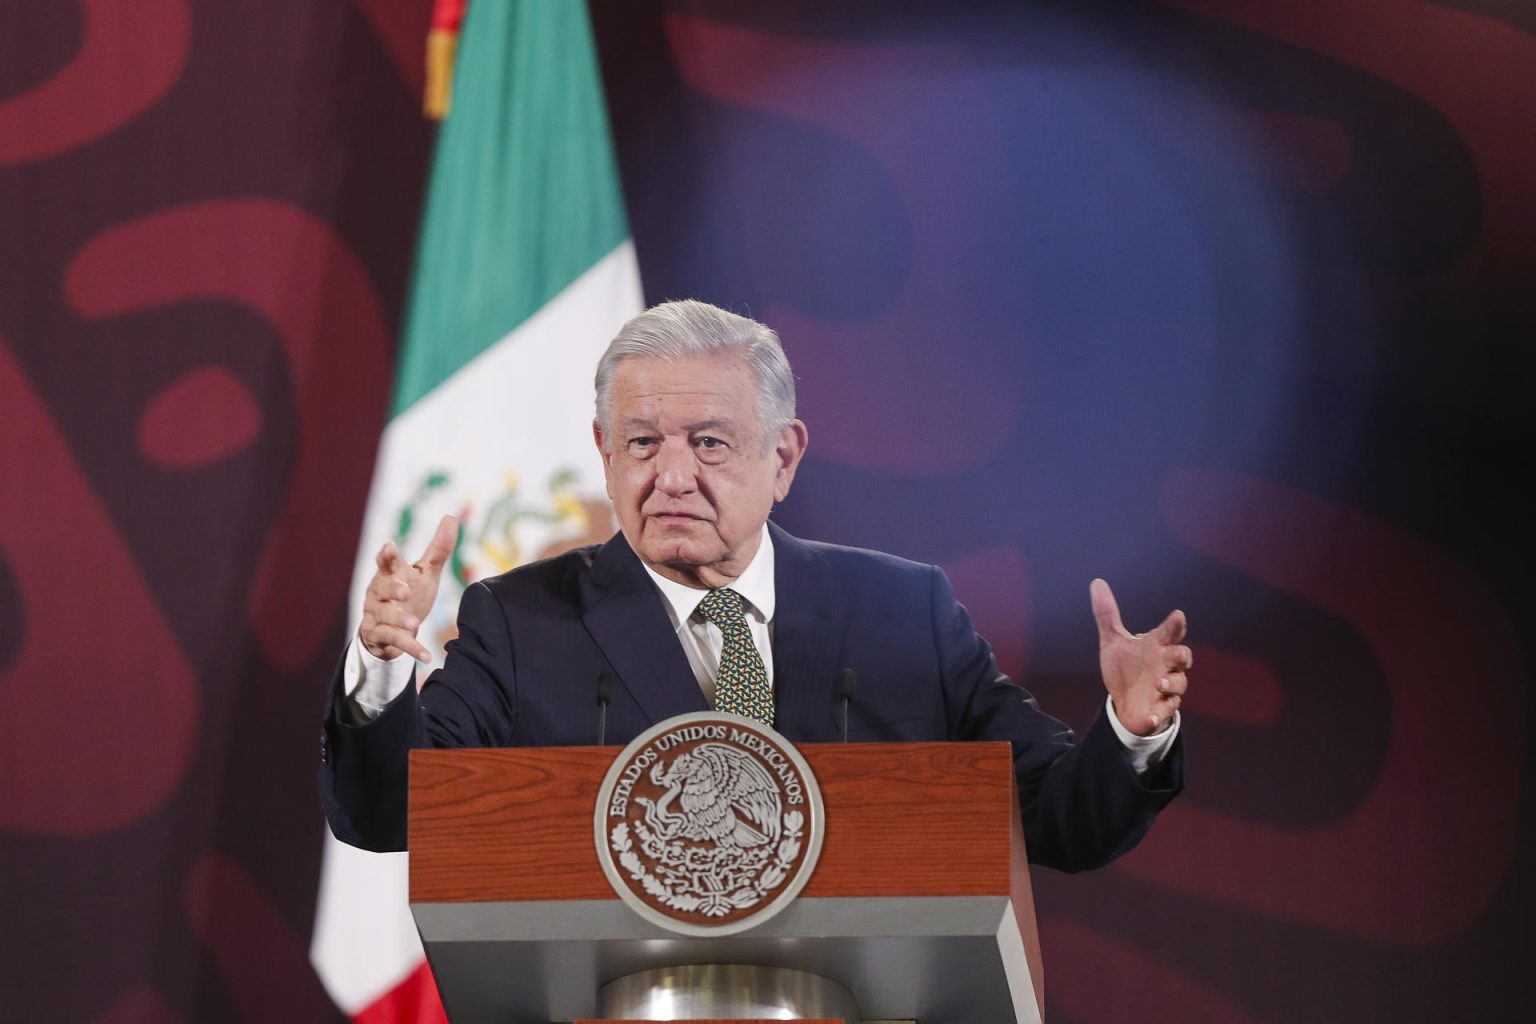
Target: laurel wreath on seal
x,y
710,881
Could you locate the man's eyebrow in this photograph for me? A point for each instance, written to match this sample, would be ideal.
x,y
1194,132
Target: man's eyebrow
x,y
641,423
715,424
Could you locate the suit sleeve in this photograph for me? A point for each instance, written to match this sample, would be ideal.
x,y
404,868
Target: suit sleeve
x,y
470,702
1082,803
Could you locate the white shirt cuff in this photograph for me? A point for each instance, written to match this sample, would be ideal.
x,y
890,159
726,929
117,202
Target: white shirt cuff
x,y
370,683
1146,752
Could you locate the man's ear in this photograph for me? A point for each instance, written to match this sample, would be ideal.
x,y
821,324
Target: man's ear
x,y
598,438
788,450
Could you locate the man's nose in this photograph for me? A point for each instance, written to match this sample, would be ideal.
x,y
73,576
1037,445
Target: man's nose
x,y
676,469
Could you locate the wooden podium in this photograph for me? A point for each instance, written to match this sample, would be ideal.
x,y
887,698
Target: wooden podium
x,y
920,905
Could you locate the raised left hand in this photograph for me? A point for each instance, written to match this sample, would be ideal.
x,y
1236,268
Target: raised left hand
x,y
1145,673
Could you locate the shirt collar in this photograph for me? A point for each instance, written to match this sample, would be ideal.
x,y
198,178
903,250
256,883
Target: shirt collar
x,y
755,585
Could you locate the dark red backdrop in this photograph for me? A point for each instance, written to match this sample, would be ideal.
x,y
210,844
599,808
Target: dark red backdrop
x,y
1230,303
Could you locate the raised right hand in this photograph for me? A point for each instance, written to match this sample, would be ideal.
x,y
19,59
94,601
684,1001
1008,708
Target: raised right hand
x,y
1147,674
399,596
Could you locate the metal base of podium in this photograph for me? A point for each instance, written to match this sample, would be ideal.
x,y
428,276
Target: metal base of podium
x,y
725,991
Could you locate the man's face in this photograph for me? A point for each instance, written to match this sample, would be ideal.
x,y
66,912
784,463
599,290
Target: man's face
x,y
690,477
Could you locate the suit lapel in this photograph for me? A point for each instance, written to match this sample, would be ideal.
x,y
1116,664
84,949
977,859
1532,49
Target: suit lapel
x,y
807,642
624,615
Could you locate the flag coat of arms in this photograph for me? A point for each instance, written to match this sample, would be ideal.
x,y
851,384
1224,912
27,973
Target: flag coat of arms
x,y
524,270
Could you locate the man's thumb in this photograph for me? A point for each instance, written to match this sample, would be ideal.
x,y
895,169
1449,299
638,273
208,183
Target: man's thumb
x,y
1105,611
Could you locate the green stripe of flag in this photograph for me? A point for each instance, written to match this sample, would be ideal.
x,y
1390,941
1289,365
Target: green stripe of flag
x,y
524,193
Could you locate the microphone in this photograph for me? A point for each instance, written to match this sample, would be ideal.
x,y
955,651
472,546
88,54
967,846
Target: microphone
x,y
604,692
847,682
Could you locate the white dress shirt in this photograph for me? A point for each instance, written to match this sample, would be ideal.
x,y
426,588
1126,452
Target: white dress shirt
x,y
702,640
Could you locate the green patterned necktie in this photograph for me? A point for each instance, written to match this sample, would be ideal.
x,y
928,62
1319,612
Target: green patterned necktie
x,y
741,686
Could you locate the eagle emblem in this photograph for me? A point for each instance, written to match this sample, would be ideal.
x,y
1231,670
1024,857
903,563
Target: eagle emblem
x,y
726,798
708,823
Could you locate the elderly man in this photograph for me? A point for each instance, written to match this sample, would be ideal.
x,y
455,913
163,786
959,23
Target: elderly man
x,y
701,602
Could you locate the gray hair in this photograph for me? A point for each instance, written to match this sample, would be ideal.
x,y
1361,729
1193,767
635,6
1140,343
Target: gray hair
x,y
678,330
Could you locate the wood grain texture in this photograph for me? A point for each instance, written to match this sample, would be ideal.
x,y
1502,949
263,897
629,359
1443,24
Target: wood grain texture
x,y
903,819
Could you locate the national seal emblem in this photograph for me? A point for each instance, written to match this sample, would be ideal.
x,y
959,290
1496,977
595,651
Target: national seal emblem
x,y
708,823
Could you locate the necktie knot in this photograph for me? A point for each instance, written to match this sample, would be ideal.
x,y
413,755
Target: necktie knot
x,y
722,607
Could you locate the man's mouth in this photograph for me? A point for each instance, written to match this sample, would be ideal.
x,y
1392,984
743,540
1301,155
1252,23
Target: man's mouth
x,y
676,517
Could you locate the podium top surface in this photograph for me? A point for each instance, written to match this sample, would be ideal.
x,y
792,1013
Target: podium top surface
x,y
903,819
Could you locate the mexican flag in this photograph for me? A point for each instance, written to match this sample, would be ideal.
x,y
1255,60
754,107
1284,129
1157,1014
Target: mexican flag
x,y
524,272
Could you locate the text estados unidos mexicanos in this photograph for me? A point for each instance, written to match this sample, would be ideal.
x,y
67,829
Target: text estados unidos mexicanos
x,y
777,761
619,802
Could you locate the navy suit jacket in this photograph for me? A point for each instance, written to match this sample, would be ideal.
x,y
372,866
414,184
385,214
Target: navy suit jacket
x,y
532,642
